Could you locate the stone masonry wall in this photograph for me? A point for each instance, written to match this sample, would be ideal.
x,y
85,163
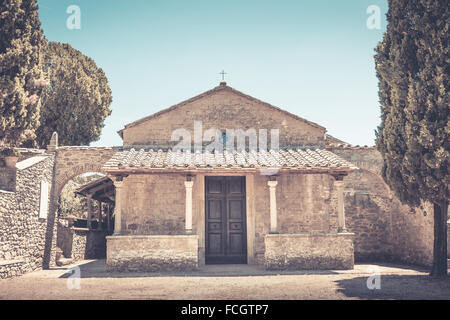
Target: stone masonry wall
x,y
309,251
7,179
153,204
152,253
81,243
306,203
224,109
385,229
368,213
24,238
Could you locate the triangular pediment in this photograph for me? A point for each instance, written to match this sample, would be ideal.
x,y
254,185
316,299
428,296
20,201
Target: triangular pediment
x,y
216,90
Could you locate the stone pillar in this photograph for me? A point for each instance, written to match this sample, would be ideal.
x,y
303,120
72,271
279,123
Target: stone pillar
x,y
108,217
53,142
339,184
89,211
118,183
273,205
189,184
99,215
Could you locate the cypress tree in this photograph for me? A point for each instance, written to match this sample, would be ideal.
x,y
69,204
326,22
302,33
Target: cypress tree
x,y
412,64
77,99
21,40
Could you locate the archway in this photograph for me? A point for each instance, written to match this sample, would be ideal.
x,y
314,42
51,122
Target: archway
x,y
85,217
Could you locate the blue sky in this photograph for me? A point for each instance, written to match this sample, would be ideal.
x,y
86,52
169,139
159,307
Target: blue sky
x,y
312,58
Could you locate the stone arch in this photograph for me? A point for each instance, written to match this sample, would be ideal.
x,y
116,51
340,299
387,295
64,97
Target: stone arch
x,y
73,161
70,162
75,171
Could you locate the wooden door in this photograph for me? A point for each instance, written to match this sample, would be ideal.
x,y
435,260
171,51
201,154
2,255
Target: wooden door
x,y
226,232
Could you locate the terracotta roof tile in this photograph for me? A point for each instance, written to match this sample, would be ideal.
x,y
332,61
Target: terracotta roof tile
x,y
170,159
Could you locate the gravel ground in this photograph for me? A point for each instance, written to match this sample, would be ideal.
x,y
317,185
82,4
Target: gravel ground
x,y
227,282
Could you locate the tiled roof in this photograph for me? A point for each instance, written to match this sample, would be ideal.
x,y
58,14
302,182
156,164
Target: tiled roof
x,y
282,159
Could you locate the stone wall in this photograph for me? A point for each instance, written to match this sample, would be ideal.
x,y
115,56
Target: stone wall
x,y
152,253
25,239
79,239
153,204
369,207
81,243
309,251
8,179
385,229
306,203
224,109
412,234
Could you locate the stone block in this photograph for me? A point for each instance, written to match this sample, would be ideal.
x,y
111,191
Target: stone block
x,y
309,251
152,253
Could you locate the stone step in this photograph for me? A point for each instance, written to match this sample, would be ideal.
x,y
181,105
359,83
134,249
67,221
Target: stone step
x,y
64,261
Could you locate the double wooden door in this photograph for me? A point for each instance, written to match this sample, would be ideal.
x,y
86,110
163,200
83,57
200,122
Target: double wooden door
x,y
226,236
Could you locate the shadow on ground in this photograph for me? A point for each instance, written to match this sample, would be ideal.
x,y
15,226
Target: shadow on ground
x,y
397,287
97,269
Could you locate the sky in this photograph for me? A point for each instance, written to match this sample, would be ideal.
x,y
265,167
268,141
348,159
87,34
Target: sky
x,y
312,58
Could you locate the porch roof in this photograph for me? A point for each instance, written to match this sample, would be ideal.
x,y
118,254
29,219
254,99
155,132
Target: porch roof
x,y
101,189
308,159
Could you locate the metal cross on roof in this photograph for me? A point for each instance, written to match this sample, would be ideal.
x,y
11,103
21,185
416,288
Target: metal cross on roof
x,y
223,73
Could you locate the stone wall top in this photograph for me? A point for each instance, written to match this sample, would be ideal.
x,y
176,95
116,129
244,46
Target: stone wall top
x,y
88,148
29,162
309,235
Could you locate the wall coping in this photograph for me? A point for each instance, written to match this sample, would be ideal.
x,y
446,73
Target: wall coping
x,y
307,235
68,148
180,236
29,162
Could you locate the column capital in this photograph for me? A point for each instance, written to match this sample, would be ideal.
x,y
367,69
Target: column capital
x,y
118,184
339,183
338,177
272,183
189,184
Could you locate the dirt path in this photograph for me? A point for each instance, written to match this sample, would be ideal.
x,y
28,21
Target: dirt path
x,y
227,282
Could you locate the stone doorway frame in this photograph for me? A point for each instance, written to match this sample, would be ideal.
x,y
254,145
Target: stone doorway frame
x,y
199,213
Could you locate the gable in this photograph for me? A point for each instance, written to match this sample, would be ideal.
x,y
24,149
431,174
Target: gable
x,y
223,108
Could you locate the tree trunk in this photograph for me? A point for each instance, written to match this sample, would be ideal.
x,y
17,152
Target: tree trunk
x,y
439,268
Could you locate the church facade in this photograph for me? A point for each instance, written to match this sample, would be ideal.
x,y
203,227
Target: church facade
x,y
277,199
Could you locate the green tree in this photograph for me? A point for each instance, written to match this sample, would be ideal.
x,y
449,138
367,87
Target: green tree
x,y
412,65
21,40
77,99
71,204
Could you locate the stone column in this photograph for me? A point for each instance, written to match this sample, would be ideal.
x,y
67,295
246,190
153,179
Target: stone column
x,y
108,218
189,184
339,184
99,215
118,183
89,211
273,205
